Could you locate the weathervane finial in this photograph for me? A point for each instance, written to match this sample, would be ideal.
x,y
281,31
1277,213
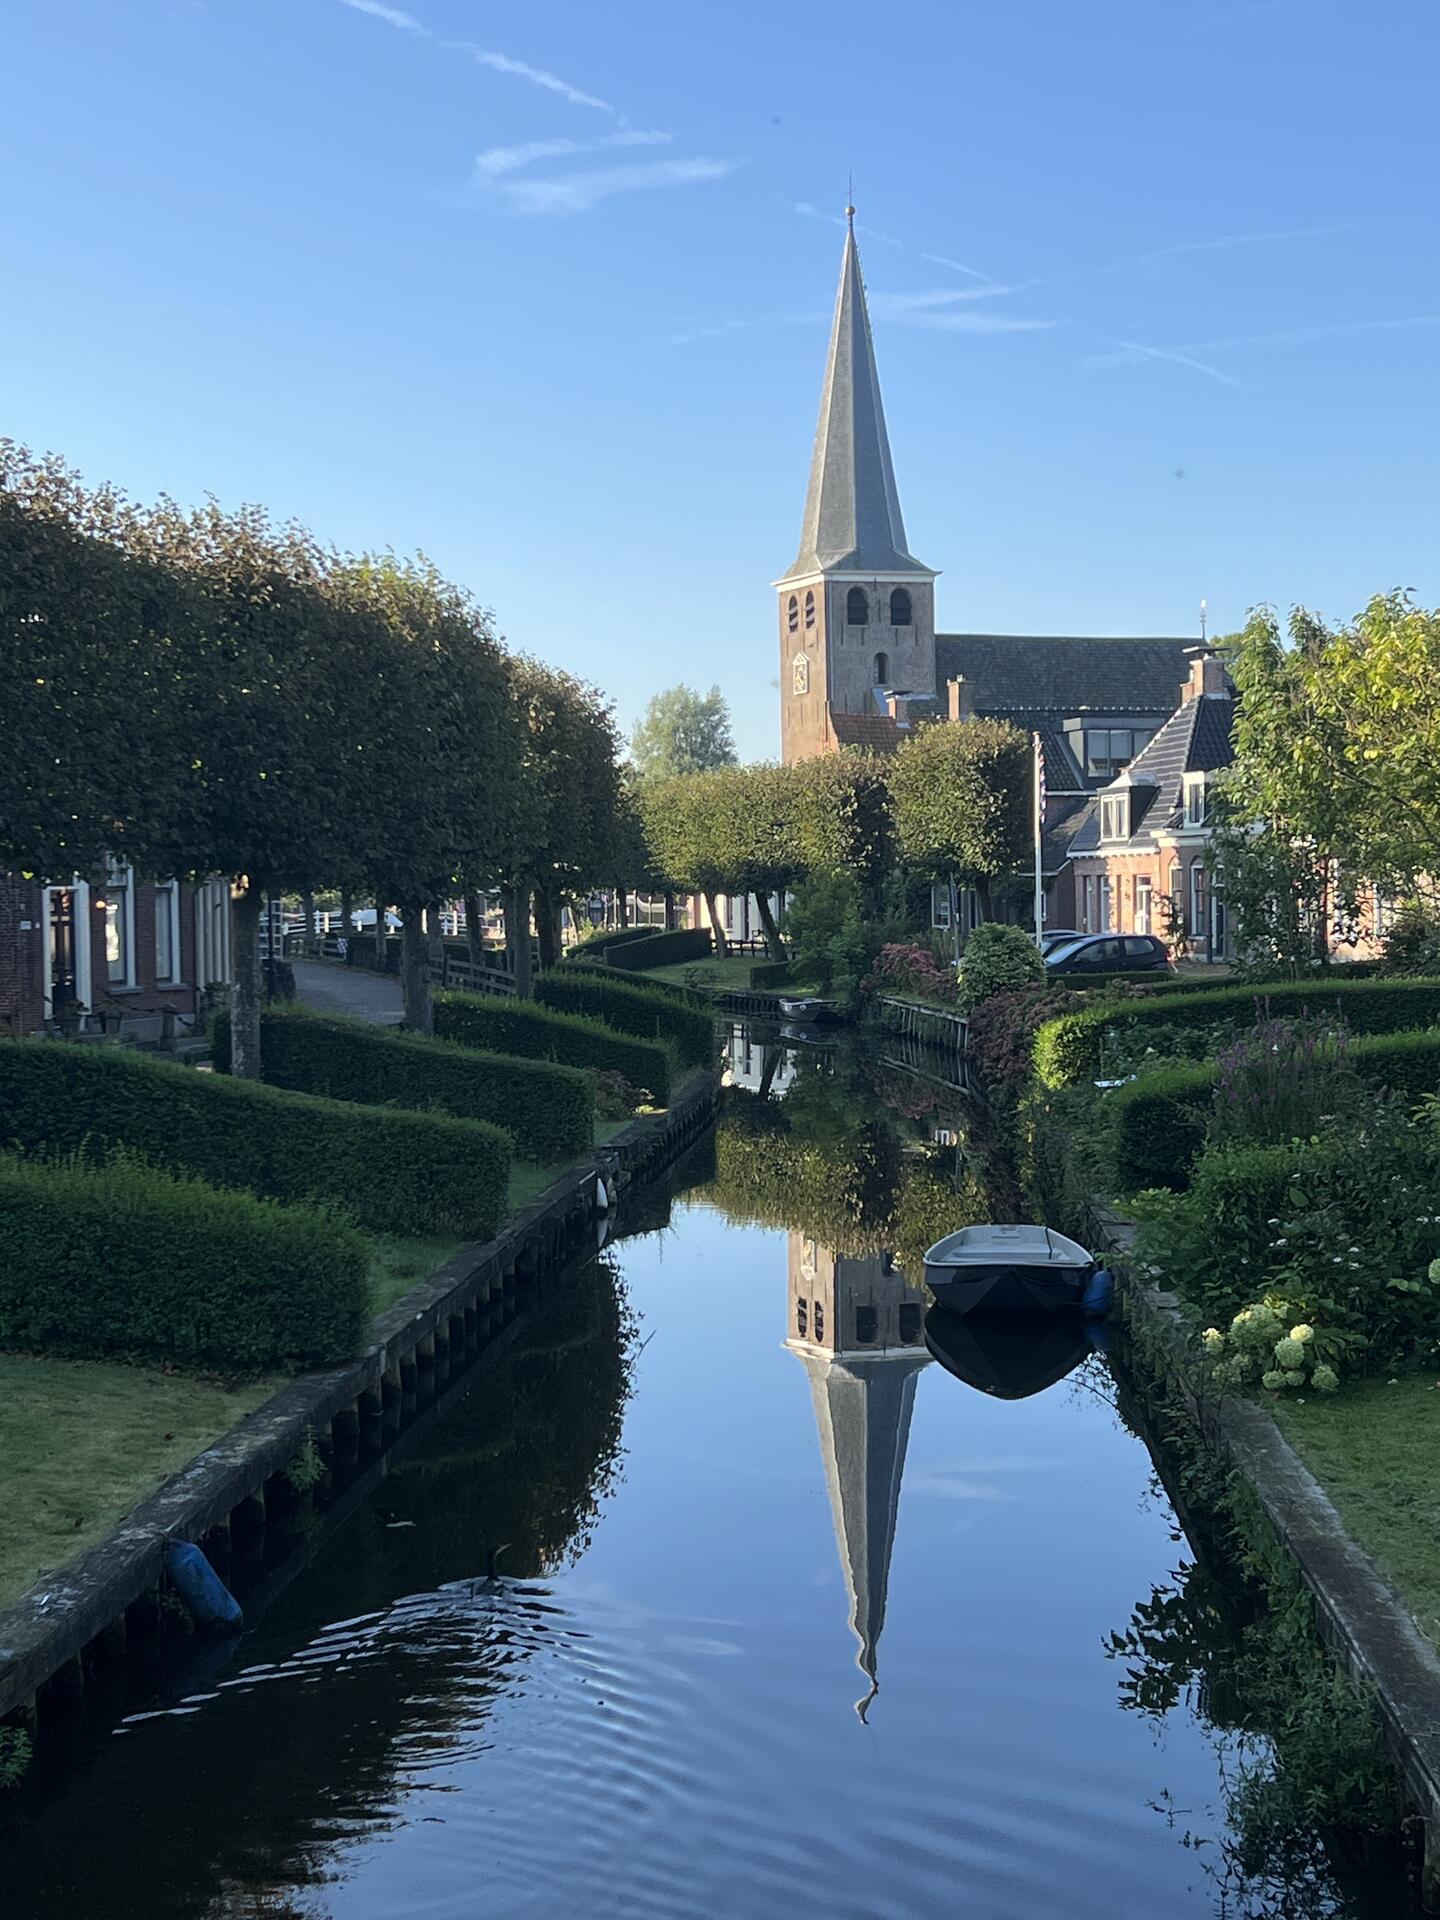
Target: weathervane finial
x,y
850,200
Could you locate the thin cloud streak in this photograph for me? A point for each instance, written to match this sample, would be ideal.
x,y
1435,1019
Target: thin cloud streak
x,y
1333,330
968,322
579,192
495,161
392,16
484,56
1224,242
1131,353
811,212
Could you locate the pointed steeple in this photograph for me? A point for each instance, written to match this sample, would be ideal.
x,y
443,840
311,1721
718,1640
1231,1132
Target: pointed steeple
x,y
852,511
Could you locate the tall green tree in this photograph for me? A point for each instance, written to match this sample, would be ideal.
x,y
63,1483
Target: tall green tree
x,y
682,731
962,797
841,818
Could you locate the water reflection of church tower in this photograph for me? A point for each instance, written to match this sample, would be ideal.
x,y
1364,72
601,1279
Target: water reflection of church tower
x,y
857,1323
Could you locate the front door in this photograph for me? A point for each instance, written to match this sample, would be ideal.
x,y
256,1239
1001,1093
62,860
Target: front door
x,y
1142,903
63,981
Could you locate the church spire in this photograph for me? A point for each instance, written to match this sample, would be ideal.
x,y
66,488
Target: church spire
x,y
852,511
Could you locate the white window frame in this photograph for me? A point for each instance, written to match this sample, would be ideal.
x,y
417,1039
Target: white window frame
x,y
84,984
940,906
118,876
1112,817
1144,914
167,902
1198,892
1197,800
1087,903
1104,904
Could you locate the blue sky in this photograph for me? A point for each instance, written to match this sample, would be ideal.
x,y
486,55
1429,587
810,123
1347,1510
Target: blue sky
x,y
544,290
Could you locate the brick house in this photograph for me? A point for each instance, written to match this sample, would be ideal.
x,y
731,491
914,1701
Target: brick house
x,y
1140,850
114,953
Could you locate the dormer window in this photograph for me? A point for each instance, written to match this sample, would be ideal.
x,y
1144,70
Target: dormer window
x,y
1109,750
1114,809
1197,800
809,609
857,608
792,615
900,610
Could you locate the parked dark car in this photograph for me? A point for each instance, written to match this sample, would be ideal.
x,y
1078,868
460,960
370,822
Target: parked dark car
x,y
1054,937
1110,953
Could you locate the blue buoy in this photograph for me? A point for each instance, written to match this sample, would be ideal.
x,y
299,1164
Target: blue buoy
x,y
206,1595
1099,1293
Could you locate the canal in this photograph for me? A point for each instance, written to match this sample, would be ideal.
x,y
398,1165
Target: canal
x,y
716,1593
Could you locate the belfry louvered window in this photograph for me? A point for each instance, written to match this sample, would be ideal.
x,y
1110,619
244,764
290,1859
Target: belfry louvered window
x,y
900,610
857,608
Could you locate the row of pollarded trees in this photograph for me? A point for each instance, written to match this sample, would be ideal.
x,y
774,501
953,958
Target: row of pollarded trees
x,y
954,801
199,692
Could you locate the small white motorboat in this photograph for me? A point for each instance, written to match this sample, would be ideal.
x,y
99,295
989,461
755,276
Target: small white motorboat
x,y
807,1008
1015,1270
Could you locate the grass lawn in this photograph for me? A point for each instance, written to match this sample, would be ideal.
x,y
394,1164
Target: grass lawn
x,y
83,1441
1376,1451
730,975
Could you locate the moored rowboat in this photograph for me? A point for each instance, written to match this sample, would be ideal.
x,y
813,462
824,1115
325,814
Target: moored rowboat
x,y
1009,1269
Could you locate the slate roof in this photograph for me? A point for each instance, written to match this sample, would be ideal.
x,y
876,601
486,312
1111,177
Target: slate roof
x,y
852,509
1195,739
1064,674
879,731
1058,839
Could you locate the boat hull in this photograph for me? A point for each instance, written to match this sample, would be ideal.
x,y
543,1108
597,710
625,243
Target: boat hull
x,y
1007,1290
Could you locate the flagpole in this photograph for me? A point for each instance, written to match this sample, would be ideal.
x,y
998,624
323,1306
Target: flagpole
x,y
1038,794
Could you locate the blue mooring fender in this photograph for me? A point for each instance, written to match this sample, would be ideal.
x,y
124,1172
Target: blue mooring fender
x,y
1099,1294
206,1595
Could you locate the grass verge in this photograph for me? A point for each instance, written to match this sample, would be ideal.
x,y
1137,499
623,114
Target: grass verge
x,y
730,975
1375,1449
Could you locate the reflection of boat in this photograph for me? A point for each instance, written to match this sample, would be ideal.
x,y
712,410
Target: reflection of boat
x,y
810,1010
1008,1270
1009,1358
796,1035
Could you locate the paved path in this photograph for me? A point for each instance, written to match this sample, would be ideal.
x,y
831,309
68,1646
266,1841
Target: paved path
x,y
331,988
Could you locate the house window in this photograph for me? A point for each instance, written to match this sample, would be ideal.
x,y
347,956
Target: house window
x,y
1108,750
792,615
1197,901
1195,800
857,608
809,609
910,1323
1112,817
900,610
802,1318
819,1319
1142,903
1382,914
167,933
882,669
800,673
940,906
867,1326
1102,904
118,903
1087,904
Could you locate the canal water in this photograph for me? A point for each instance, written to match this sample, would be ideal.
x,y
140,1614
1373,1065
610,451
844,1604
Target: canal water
x,y
716,1593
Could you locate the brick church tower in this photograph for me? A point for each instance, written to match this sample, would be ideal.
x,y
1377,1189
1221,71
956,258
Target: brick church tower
x,y
857,609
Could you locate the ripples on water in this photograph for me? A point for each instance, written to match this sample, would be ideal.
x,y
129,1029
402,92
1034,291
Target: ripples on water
x,y
655,1709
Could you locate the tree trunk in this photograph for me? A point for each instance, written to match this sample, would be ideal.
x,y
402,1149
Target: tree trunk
x,y
774,945
547,926
767,1074
672,911
622,908
717,925
954,921
247,901
475,929
415,968
517,940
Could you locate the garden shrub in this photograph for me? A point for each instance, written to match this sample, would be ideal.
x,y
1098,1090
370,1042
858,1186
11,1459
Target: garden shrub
x,y
636,1009
548,1110
1069,1048
998,959
540,1033
659,949
395,1172
767,974
1266,1343
1001,1036
592,945
909,968
826,936
126,1259
1412,944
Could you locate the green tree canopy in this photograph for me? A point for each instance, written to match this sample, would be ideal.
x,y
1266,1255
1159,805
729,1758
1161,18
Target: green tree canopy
x,y
682,731
841,818
962,798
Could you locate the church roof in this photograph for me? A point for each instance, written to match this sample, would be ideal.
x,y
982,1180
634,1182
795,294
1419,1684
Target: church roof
x,y
852,510
1064,674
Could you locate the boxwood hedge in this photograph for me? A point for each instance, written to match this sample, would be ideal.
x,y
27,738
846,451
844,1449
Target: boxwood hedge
x,y
126,1259
1068,1048
540,1033
392,1171
1157,1124
632,1009
661,950
548,1110
595,944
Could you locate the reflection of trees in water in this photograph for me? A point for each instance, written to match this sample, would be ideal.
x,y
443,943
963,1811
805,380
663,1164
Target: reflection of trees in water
x,y
265,1783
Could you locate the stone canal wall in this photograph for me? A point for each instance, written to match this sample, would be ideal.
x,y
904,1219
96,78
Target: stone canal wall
x,y
76,1623
1358,1613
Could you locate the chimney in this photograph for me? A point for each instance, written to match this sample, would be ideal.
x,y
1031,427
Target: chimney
x,y
898,707
962,698
1207,675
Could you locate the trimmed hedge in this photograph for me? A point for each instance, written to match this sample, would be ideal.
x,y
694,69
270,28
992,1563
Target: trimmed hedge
x,y
632,1009
125,1259
540,1033
1158,1122
1067,1049
393,1172
593,945
548,1111
661,950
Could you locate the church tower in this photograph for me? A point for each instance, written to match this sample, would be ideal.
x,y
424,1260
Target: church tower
x,y
857,609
